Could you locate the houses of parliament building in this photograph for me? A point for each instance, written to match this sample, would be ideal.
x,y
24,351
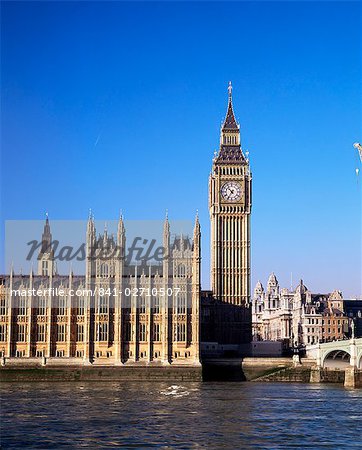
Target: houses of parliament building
x,y
141,313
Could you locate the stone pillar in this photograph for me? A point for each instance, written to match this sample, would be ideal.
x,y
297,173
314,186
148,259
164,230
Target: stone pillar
x,y
69,305
195,292
166,357
86,337
315,375
29,317
117,327
353,352
49,320
10,311
351,378
135,316
150,321
319,358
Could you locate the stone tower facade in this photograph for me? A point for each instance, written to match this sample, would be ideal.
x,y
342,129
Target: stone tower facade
x,y
46,264
230,207
226,311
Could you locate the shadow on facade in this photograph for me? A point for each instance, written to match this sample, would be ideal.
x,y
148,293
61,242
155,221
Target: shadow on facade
x,y
225,328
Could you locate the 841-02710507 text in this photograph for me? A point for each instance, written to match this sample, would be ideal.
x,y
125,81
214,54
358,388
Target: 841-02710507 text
x,y
137,292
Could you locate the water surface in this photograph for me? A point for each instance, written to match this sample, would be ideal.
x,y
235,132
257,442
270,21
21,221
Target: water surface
x,y
182,415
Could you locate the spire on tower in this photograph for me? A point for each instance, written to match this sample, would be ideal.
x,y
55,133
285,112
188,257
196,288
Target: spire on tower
x,y
230,121
46,236
230,148
166,223
121,228
197,223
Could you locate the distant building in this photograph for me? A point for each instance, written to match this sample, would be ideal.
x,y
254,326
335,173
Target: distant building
x,y
297,317
353,310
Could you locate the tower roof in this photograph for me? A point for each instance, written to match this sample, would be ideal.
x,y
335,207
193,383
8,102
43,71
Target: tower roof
x,y
230,149
46,238
230,121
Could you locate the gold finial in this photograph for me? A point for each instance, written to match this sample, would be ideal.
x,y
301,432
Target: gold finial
x,y
230,90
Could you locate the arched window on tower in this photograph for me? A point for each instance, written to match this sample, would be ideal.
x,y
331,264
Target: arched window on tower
x,y
181,271
104,270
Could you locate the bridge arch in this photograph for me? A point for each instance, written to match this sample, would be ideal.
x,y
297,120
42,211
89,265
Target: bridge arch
x,y
336,358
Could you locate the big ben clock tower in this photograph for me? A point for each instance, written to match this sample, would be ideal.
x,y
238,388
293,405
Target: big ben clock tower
x,y
230,207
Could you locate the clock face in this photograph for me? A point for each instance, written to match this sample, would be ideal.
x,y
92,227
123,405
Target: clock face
x,y
231,191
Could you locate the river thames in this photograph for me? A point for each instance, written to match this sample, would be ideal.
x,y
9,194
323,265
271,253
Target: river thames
x,y
182,415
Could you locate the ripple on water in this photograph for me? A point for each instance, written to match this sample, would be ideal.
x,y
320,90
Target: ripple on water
x,y
214,415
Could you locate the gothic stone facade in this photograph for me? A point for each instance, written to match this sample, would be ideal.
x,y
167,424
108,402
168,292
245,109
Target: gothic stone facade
x,y
226,317
297,316
120,329
143,326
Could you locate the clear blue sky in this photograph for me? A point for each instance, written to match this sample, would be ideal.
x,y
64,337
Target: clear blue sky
x,y
118,105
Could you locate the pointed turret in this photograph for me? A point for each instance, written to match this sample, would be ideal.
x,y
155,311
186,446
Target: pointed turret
x,y
46,254
121,237
120,229
197,235
166,245
91,229
197,225
273,285
230,149
46,238
258,290
166,226
105,235
230,121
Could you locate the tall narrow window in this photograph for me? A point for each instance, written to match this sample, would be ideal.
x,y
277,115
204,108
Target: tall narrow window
x,y
42,306
181,332
61,332
143,332
3,332
3,311
80,306
21,333
181,270
40,332
22,306
104,270
102,331
103,304
62,303
142,304
80,332
181,303
156,332
156,305
44,268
